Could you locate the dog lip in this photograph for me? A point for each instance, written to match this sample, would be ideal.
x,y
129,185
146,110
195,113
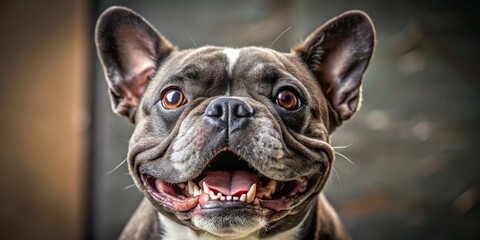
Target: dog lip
x,y
181,196
175,203
224,205
164,193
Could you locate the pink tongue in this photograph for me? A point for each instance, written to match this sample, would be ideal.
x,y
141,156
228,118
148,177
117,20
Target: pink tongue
x,y
229,182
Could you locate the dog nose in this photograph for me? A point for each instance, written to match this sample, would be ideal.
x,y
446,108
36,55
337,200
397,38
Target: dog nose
x,y
228,112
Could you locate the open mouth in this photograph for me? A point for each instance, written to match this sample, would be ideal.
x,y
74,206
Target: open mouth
x,y
228,181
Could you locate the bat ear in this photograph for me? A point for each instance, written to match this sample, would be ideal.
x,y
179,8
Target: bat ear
x,y
130,50
337,54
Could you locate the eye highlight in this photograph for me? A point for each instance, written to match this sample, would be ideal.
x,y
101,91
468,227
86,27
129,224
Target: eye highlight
x,y
173,98
288,100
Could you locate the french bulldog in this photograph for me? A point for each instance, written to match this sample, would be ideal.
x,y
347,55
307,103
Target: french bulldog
x,y
233,143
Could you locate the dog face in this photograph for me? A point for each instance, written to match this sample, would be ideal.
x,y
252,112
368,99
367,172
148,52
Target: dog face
x,y
233,141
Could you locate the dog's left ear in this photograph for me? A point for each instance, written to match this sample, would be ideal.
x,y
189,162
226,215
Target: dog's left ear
x,y
130,50
337,54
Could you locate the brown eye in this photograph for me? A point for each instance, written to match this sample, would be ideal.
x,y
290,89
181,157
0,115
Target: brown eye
x,y
173,98
288,100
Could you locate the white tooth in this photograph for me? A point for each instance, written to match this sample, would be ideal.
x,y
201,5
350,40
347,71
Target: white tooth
x,y
205,188
190,187
196,191
243,197
212,195
219,195
181,185
235,198
222,198
251,193
229,198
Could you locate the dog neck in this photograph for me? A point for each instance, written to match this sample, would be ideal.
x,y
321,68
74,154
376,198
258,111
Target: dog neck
x,y
173,230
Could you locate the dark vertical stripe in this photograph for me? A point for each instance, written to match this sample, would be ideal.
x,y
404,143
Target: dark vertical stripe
x,y
92,88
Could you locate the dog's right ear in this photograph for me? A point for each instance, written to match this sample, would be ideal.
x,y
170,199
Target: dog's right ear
x,y
131,51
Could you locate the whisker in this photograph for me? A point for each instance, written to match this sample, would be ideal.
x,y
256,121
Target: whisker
x,y
113,170
343,147
338,177
129,186
281,34
346,158
195,44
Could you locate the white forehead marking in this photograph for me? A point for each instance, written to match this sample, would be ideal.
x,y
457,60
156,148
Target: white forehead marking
x,y
232,56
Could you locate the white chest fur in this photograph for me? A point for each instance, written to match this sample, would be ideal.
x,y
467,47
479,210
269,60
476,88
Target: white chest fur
x,y
175,231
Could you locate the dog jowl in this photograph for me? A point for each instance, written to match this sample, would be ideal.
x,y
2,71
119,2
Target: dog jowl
x,y
233,143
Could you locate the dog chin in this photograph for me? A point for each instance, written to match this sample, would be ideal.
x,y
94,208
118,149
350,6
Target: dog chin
x,y
226,226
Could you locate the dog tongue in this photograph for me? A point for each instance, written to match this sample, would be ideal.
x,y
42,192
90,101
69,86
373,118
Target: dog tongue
x,y
229,182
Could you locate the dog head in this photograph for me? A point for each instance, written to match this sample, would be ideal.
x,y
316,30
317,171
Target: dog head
x,y
227,141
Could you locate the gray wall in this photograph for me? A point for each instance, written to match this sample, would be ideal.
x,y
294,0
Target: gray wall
x,y
413,143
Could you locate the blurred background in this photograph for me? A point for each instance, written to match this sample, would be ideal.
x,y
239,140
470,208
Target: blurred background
x,y
415,171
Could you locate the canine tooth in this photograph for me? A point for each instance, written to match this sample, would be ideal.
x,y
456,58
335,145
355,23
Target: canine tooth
x,y
181,185
212,195
222,198
235,198
229,198
243,197
205,188
251,193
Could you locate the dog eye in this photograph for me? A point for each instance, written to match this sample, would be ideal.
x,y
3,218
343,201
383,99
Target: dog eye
x,y
173,98
288,100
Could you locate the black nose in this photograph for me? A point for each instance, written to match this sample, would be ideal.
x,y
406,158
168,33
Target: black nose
x,y
227,112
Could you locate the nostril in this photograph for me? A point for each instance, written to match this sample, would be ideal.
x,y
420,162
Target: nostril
x,y
243,110
214,111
